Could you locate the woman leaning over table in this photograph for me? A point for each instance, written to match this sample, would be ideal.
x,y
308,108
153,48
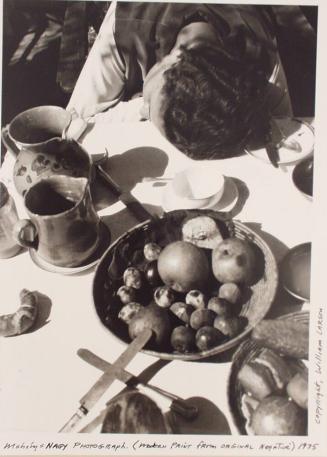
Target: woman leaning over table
x,y
210,75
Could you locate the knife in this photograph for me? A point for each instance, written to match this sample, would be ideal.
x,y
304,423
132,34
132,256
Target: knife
x,y
131,203
177,404
107,378
272,152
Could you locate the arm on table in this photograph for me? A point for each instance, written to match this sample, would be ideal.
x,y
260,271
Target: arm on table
x,y
101,83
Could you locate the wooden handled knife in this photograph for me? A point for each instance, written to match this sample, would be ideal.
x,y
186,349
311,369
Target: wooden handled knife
x,y
177,404
107,378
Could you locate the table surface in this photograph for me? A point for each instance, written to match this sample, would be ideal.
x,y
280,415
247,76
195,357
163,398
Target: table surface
x,y
42,378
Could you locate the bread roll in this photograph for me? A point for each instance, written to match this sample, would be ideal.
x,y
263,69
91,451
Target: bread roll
x,y
202,231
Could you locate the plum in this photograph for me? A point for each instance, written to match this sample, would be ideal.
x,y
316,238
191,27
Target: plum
x,y
220,306
196,298
208,337
230,292
126,294
183,339
229,326
152,274
151,251
154,318
128,311
201,318
133,277
182,311
164,296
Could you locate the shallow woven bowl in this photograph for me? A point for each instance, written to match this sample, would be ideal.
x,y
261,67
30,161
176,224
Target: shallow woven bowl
x,y
245,353
130,246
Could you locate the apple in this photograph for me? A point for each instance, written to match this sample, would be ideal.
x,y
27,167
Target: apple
x,y
234,261
183,266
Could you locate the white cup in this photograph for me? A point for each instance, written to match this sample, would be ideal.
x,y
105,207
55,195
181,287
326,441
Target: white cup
x,y
197,187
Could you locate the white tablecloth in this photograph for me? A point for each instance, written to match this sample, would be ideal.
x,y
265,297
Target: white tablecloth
x,y
42,378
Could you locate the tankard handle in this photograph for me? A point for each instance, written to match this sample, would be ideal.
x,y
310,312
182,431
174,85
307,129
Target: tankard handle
x,y
25,233
75,126
8,142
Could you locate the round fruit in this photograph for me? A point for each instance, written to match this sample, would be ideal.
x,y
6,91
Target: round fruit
x,y
201,318
128,311
195,298
152,274
183,339
126,294
277,415
151,251
183,266
154,318
234,260
133,412
229,326
208,337
182,311
132,277
297,389
164,296
230,292
220,306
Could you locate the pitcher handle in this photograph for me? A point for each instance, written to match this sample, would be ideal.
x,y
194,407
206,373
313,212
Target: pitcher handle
x,y
8,142
25,234
75,127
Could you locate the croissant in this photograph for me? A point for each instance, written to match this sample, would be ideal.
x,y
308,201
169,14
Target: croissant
x,y
24,318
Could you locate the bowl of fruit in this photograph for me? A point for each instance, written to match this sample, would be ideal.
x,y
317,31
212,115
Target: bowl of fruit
x,y
199,282
268,382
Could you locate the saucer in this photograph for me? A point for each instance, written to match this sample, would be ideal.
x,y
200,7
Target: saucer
x,y
224,202
104,242
302,177
293,130
295,271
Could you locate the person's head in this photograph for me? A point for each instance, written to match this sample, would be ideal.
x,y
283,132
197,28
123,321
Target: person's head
x,y
205,100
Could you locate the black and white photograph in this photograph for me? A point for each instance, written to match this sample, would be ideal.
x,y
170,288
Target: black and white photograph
x,y
159,224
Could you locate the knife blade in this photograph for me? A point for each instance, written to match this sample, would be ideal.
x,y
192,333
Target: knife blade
x,y
273,155
131,203
101,385
177,404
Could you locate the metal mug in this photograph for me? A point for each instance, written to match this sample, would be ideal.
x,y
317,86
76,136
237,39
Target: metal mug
x,y
63,227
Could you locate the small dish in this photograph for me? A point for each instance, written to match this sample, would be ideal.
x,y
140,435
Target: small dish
x,y
104,242
295,271
225,202
302,177
294,131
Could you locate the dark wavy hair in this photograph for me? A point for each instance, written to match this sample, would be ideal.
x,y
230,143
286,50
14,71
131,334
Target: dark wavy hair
x,y
213,102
